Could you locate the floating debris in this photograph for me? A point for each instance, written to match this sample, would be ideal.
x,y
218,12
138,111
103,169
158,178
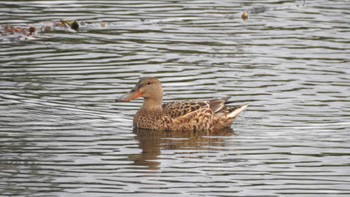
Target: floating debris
x,y
244,15
12,30
11,33
69,25
31,31
75,26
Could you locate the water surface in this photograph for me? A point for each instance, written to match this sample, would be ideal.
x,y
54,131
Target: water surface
x,y
62,134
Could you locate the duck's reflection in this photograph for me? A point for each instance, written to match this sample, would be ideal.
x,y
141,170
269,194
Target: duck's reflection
x,y
152,142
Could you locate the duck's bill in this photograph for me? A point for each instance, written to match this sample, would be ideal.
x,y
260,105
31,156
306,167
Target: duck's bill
x,y
129,97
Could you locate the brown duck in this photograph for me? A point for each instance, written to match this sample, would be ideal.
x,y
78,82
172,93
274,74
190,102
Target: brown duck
x,y
211,115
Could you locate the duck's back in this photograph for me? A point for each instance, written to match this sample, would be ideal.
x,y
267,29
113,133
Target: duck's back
x,y
176,109
180,108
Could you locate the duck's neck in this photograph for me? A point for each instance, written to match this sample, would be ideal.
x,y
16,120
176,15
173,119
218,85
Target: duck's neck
x,y
152,104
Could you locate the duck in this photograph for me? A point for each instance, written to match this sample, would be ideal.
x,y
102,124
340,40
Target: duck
x,y
183,115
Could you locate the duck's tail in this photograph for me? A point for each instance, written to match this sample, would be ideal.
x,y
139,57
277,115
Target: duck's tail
x,y
237,111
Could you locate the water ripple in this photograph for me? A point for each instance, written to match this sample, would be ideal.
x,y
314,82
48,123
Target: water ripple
x,y
62,134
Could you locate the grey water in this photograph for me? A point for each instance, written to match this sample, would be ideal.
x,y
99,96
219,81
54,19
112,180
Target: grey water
x,y
62,134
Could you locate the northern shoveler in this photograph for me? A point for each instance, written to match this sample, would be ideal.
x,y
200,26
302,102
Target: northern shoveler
x,y
210,115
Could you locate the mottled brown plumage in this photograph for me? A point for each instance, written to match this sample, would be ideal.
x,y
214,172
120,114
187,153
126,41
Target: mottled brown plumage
x,y
178,115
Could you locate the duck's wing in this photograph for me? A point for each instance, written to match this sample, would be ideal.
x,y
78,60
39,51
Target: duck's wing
x,y
180,108
176,109
218,104
199,120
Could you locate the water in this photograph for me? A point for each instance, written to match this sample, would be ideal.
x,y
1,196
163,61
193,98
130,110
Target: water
x,y
62,134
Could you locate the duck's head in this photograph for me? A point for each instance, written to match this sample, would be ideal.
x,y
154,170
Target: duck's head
x,y
148,87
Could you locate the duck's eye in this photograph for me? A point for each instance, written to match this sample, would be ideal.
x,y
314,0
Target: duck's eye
x,y
148,83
